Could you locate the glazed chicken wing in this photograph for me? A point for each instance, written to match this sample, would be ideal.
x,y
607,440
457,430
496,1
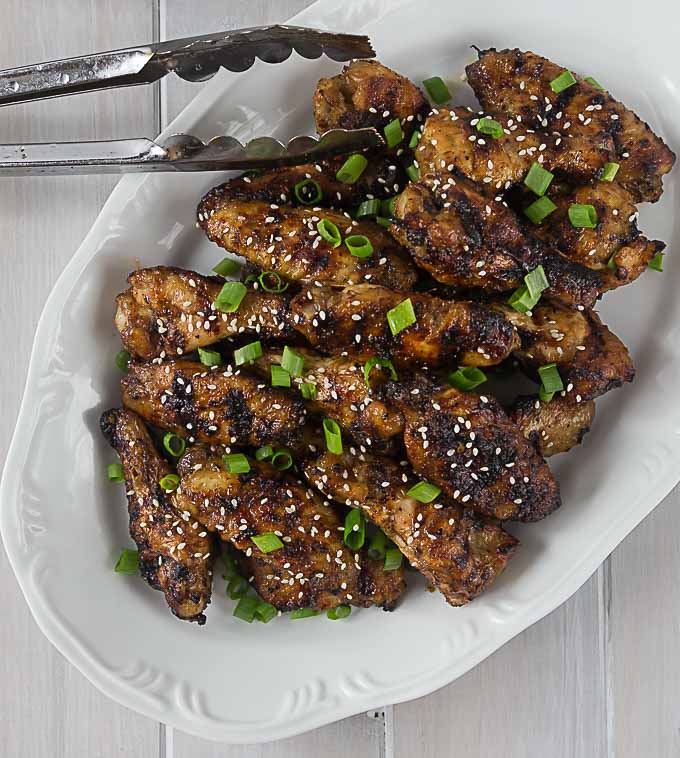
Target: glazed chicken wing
x,y
458,550
175,557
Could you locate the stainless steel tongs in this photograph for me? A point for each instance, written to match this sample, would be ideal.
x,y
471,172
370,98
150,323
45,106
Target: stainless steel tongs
x,y
194,59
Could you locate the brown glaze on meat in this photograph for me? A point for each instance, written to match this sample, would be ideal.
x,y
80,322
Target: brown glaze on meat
x,y
218,406
354,320
458,550
169,311
465,444
593,127
313,568
175,557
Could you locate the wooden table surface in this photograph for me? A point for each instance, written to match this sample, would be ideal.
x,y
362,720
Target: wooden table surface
x,y
598,677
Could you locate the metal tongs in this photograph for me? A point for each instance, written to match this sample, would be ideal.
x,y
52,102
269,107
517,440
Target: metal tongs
x,y
194,59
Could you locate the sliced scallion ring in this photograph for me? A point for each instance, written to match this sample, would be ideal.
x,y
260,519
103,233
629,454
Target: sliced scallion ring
x,y
490,127
329,232
170,482
359,245
293,362
230,297
437,90
250,352
280,377
267,277
401,316
174,445
268,542
424,492
227,267
282,459
372,363
355,529
551,381
333,436
563,81
339,612
236,463
352,169
122,360
308,192
393,559
467,378
209,357
582,216
393,132
115,473
128,562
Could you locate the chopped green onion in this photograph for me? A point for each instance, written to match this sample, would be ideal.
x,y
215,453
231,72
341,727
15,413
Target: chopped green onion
x,y
352,169
424,492
122,360
383,221
230,297
170,482
339,612
594,83
393,559
280,377
246,608
467,378
330,232
551,381
371,363
415,139
209,357
308,192
267,542
401,316
303,613
413,172
610,171
236,463
308,390
538,179
250,352
250,279
378,545
582,216
114,472
488,126
230,568
368,208
128,562
394,134
282,459
543,396
265,612
237,587
656,263
227,267
536,281
539,209
280,286
387,206
174,445
293,362
333,436
264,452
355,529
565,80
359,245
611,263
521,300
437,90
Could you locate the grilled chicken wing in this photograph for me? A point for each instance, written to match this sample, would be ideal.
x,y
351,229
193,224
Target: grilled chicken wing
x,y
458,550
170,311
553,427
593,127
175,557
465,444
354,320
313,568
341,393
218,406
286,239
466,239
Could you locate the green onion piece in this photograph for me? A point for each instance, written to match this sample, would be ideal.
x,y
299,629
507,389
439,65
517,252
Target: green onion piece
x,y
303,613
352,169
378,545
488,126
415,139
387,206
401,316
263,453
230,568
250,279
114,471
368,208
280,377
611,263
333,436
424,492
250,352
340,612
330,232
355,529
121,360
128,562
467,378
563,81
538,179
657,262
437,90
551,381
265,612
536,281
394,134
521,300
543,396
539,209
413,172
308,390
371,363
308,192
209,357
174,445
583,216
236,463
267,542
282,459
237,587
279,286
227,267
610,171
359,245
246,607
593,82
230,297
383,221
393,559
293,362
170,482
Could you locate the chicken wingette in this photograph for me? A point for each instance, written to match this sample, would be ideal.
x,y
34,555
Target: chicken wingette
x,y
458,550
176,556
221,405
354,320
308,564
